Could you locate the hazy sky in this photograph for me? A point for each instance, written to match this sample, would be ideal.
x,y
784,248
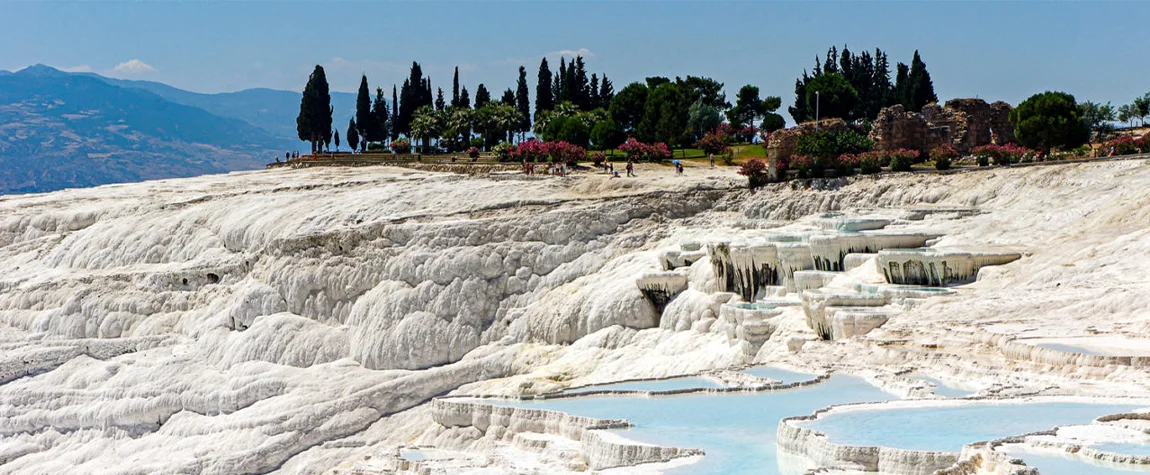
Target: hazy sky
x,y
995,50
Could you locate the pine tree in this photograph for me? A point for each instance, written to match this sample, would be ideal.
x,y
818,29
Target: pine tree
x,y
799,111
394,114
439,104
482,97
522,102
455,89
363,115
314,121
352,135
885,93
464,98
508,98
606,92
544,100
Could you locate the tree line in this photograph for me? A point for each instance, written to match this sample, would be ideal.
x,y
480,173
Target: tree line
x,y
570,105
855,87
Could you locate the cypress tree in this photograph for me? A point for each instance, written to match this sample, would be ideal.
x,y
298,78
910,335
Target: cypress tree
x,y
901,86
394,114
508,98
406,101
522,102
593,93
464,99
482,97
606,92
379,118
556,91
881,80
455,89
544,100
314,121
352,135
561,83
920,87
335,137
363,115
439,104
578,84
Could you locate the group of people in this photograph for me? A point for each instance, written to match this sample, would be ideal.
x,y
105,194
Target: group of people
x,y
549,169
610,169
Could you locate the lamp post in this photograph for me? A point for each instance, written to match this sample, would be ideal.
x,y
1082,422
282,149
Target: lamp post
x,y
816,111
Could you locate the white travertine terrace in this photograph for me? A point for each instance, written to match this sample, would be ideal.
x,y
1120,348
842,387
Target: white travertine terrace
x,y
292,320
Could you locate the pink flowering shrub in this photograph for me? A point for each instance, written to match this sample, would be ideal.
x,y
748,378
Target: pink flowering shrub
x,y
473,152
747,134
755,170
564,152
636,150
1004,154
713,143
529,150
845,164
400,145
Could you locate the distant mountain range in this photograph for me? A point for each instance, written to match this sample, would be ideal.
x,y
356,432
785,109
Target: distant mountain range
x,y
63,130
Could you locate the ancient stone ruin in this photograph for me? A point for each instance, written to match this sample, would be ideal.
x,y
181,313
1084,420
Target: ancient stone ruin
x,y
962,123
781,144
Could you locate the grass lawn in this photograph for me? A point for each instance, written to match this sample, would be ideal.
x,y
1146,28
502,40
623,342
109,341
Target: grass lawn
x,y
742,152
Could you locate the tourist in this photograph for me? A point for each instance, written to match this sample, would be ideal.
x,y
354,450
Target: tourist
x,y
679,169
630,168
712,157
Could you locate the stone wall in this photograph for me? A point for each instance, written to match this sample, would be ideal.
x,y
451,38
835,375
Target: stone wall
x,y
1002,131
962,123
781,144
896,128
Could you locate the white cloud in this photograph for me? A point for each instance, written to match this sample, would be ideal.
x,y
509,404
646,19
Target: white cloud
x,y
571,53
552,57
131,68
83,68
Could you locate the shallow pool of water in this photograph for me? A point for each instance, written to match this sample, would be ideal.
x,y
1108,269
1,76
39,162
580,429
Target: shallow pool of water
x,y
412,455
785,376
1141,450
1058,464
1068,348
737,431
948,428
660,385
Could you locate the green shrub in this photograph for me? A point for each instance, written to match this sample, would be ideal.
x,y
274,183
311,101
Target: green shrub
x,y
830,145
900,163
983,160
942,163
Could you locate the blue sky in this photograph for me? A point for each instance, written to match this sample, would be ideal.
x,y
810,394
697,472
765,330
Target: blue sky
x,y
990,49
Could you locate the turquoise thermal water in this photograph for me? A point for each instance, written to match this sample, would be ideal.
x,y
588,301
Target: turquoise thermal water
x,y
737,430
661,385
1068,348
1051,464
783,375
949,428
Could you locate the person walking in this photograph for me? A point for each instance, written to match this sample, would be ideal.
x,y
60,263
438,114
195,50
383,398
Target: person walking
x,y
630,168
712,156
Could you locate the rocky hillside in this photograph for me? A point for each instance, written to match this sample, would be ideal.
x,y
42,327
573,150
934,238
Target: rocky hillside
x,y
63,130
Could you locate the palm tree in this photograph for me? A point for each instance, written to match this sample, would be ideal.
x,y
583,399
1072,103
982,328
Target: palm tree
x,y
425,126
